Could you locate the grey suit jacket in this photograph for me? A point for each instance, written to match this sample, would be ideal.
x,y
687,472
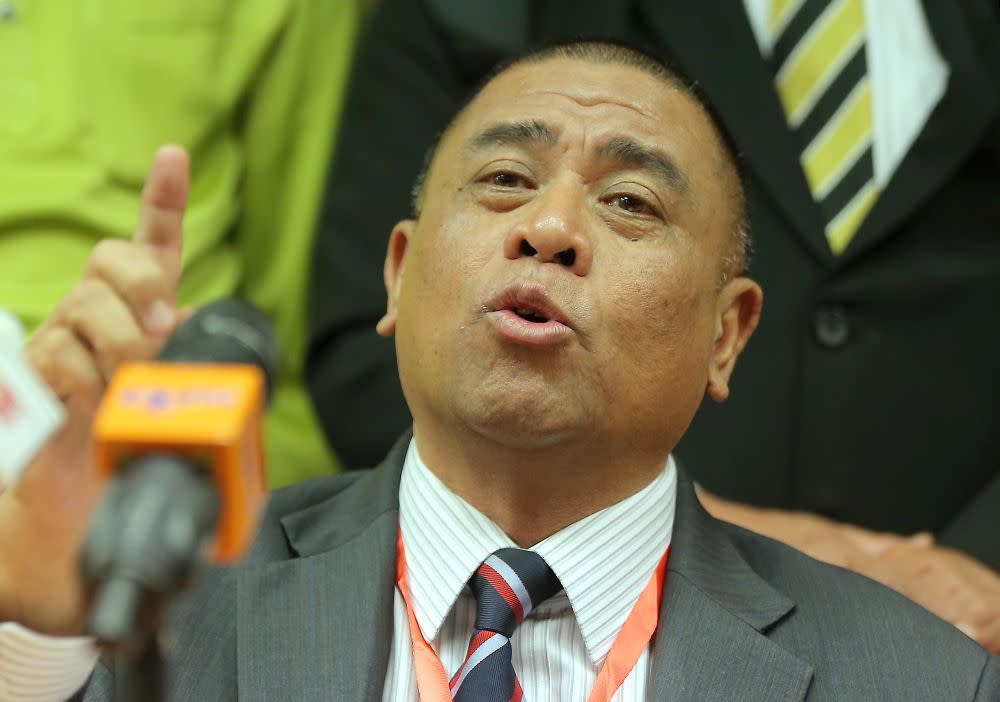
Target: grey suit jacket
x,y
308,617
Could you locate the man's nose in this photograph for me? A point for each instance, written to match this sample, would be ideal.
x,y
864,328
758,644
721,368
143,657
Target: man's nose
x,y
553,233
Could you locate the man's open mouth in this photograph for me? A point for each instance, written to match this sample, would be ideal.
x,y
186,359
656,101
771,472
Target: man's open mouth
x,y
530,315
529,301
524,313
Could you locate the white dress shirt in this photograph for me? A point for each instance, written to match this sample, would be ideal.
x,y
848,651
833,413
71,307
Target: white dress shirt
x,y
907,72
603,562
36,668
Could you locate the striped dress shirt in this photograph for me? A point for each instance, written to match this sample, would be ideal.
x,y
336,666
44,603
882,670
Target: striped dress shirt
x,y
603,562
38,668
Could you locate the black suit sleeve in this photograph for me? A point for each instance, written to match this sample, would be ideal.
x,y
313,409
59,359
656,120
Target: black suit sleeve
x,y
404,88
974,529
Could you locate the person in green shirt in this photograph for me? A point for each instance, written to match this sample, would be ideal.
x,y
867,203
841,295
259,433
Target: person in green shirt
x,y
252,89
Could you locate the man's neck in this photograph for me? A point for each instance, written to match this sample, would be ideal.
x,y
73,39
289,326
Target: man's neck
x,y
533,493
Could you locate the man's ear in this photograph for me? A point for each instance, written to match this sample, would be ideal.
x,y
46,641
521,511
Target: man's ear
x,y
392,273
737,314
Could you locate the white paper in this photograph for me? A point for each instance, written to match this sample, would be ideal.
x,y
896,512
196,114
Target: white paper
x,y
29,414
11,333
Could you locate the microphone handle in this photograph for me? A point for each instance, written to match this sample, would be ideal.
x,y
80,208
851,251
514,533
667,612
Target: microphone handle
x,y
141,678
144,542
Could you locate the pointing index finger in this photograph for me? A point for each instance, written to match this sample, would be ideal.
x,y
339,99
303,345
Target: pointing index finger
x,y
164,200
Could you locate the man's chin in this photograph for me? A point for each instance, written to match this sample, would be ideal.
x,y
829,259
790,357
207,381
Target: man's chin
x,y
526,425
526,437
520,407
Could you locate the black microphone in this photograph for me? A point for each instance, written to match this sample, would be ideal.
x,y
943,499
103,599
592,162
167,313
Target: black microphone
x,y
180,440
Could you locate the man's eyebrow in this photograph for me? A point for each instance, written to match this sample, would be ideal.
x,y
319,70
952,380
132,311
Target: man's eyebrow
x,y
632,153
526,133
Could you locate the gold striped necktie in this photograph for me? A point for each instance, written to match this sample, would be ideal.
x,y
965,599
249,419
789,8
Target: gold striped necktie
x,y
822,81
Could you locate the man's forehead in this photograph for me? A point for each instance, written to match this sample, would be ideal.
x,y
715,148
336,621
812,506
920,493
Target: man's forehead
x,y
575,96
614,111
580,87
567,94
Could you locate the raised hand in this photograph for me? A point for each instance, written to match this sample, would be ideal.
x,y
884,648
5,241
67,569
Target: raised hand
x,y
122,310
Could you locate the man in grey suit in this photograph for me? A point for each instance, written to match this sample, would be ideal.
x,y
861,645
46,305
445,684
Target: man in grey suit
x,y
571,288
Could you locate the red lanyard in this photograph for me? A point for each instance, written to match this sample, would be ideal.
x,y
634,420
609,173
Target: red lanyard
x,y
632,640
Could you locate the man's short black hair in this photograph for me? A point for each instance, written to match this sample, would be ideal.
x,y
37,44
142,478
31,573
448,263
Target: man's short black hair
x,y
602,51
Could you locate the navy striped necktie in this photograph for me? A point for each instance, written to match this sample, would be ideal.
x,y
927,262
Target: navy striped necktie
x,y
507,586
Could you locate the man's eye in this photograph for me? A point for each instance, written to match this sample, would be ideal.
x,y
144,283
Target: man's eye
x,y
505,179
633,204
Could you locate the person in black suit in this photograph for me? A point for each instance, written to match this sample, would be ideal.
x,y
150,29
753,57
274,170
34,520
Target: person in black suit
x,y
865,409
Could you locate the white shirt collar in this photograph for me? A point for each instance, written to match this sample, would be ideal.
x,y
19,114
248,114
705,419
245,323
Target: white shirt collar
x,y
603,561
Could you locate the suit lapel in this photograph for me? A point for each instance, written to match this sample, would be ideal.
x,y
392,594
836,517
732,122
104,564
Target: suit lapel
x,y
711,43
711,643
318,627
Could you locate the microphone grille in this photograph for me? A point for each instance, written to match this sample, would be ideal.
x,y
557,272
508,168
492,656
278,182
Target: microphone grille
x,y
226,331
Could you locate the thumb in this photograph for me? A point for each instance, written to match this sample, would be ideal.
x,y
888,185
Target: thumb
x,y
924,539
164,200
180,315
184,314
871,542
